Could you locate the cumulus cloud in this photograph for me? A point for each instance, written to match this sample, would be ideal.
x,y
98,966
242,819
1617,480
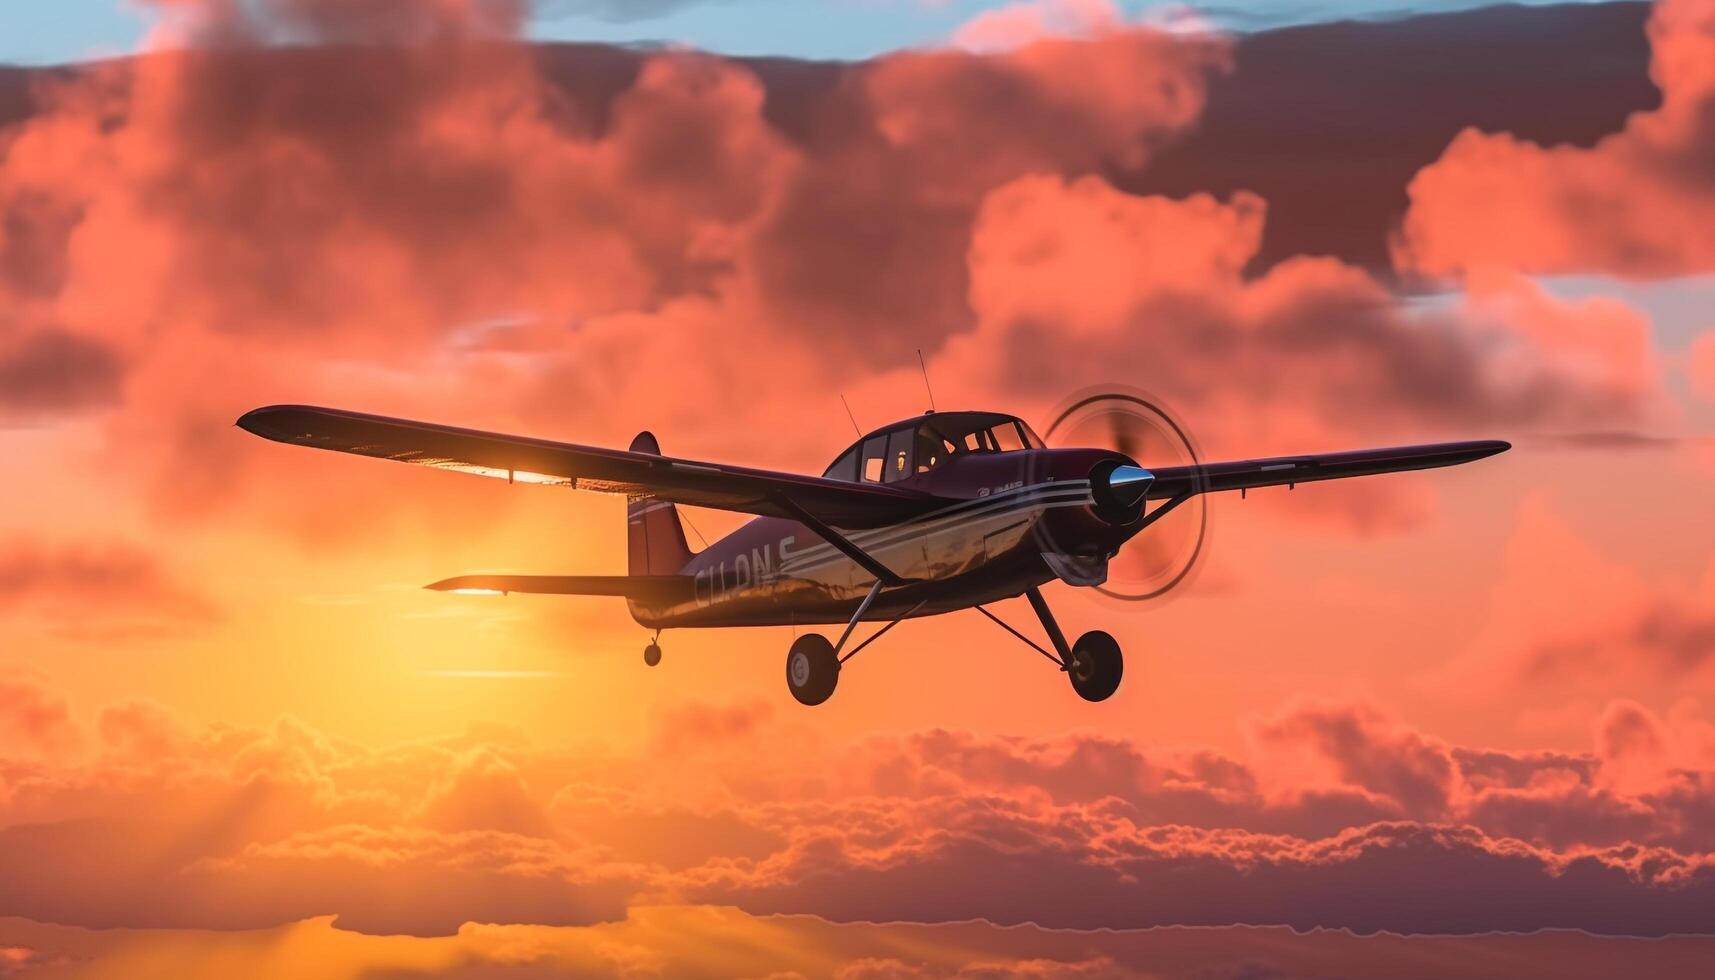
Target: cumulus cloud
x,y
33,717
46,373
429,220
715,943
1702,365
97,588
1639,203
1074,279
145,820
1640,627
1018,24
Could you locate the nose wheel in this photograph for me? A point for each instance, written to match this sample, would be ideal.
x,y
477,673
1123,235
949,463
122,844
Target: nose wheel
x,y
652,652
1095,666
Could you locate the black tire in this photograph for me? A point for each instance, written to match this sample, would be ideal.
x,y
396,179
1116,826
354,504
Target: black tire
x,y
812,669
652,654
1096,666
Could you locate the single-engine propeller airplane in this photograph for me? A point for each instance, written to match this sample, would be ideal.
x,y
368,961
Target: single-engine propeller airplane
x,y
929,515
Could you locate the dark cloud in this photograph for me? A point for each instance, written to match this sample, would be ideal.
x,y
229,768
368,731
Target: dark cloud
x,y
80,582
161,824
676,941
46,373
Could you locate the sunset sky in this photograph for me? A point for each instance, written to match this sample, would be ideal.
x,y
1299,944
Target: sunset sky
x,y
234,729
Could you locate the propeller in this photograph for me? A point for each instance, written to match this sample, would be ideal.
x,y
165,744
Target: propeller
x,y
1167,552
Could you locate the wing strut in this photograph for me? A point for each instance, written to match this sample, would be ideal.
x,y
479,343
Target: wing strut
x,y
883,574
1162,511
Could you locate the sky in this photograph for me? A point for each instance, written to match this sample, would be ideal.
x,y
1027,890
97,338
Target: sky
x,y
78,30
235,729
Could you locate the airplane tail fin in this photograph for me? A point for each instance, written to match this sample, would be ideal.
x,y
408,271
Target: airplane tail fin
x,y
656,538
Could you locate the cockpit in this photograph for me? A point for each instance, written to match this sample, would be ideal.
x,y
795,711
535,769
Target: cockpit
x,y
921,445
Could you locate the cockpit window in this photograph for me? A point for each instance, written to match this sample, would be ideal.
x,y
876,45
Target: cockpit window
x,y
874,458
932,449
899,455
845,468
1031,439
886,457
1007,437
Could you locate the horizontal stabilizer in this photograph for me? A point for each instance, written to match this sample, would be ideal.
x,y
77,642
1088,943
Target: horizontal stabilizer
x,y
649,588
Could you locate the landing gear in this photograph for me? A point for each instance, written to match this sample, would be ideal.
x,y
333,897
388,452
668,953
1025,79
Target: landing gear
x,y
813,664
1093,664
652,652
812,669
1096,666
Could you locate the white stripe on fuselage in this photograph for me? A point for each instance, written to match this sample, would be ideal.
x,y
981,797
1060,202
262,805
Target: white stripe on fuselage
x,y
1043,496
1006,511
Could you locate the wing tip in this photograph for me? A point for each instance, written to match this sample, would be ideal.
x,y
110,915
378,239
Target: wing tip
x,y
266,421
465,585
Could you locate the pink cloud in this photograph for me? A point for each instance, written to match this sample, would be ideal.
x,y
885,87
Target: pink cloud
x,y
1636,204
1019,24
161,823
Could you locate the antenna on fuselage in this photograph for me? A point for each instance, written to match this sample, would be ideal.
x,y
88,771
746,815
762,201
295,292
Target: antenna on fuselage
x,y
924,365
849,415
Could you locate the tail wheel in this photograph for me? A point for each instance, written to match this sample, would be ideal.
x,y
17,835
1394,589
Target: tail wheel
x,y
812,669
1096,666
652,654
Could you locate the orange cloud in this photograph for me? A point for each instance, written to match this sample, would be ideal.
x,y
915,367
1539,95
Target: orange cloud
x,y
1074,281
156,823
1633,627
33,718
1702,365
703,942
439,228
1637,204
1018,24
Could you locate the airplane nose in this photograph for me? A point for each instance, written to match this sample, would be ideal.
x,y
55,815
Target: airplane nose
x,y
1129,484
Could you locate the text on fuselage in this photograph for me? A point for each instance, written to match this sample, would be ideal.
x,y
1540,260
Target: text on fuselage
x,y
759,567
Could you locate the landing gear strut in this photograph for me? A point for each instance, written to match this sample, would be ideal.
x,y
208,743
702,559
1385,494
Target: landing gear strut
x,y
1093,664
813,664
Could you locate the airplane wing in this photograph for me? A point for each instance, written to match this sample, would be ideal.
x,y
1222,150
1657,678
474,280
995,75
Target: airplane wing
x,y
520,459
1173,481
653,588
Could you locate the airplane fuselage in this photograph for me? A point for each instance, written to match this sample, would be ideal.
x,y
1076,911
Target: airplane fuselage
x,y
1022,519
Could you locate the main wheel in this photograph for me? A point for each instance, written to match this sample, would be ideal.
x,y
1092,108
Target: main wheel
x,y
812,669
1096,666
652,654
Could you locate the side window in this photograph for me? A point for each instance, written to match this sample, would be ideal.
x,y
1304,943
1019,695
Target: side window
x,y
874,451
978,442
932,449
1007,438
899,454
845,468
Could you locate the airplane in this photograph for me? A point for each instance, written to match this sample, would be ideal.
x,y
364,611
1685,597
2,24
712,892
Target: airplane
x,y
928,515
